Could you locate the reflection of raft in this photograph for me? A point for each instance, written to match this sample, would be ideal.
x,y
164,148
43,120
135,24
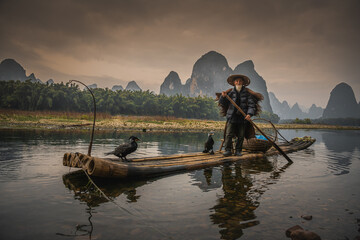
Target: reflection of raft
x,y
79,184
143,167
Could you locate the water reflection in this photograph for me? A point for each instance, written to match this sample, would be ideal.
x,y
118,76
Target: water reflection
x,y
341,141
159,143
341,146
207,179
233,211
82,229
86,192
32,182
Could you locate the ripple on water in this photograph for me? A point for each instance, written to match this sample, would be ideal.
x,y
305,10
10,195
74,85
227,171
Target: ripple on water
x,y
251,200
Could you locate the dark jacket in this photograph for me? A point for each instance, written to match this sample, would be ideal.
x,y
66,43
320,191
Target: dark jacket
x,y
243,99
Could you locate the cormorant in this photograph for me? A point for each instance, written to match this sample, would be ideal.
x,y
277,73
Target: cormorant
x,y
209,144
124,149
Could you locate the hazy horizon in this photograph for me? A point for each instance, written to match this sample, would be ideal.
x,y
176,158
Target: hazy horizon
x,y
302,49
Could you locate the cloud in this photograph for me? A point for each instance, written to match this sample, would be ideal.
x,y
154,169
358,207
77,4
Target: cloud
x,y
289,41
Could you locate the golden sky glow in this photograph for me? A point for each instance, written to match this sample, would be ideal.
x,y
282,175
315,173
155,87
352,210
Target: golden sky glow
x,y
303,49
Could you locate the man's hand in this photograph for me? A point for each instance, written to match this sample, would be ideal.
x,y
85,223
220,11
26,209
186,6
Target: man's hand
x,y
224,93
248,117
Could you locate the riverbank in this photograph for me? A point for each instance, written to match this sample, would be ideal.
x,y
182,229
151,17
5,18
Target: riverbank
x,y
62,120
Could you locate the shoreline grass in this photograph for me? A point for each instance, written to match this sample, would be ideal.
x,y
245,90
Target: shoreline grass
x,y
104,121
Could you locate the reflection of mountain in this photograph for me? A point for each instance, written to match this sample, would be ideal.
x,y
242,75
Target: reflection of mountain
x,y
341,141
341,145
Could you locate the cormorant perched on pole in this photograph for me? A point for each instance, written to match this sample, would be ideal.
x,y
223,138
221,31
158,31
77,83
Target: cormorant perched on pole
x,y
209,145
124,149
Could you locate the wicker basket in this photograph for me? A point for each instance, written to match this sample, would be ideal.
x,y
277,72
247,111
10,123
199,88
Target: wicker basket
x,y
256,145
260,145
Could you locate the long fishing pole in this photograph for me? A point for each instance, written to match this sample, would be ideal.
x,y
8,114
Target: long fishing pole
x,y
273,143
93,129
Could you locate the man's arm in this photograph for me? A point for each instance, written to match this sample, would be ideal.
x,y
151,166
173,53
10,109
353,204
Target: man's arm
x,y
223,101
251,106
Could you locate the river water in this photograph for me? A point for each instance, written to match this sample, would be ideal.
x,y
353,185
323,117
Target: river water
x,y
260,199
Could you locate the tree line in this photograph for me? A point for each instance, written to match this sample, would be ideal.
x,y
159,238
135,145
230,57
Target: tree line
x,y
34,96
69,97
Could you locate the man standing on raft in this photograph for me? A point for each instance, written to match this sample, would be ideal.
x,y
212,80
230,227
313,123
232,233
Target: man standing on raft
x,y
237,125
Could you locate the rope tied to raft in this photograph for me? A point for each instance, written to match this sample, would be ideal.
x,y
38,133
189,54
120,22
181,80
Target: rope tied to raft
x,y
91,182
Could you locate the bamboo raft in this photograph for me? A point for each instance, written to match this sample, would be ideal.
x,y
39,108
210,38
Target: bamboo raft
x,y
150,166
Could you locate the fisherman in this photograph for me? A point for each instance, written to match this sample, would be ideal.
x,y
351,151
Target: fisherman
x,y
236,122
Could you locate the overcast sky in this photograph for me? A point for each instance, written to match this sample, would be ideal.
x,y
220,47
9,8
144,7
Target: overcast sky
x,y
302,48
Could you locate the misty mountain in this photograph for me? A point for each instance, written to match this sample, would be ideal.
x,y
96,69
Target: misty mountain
x,y
283,110
315,112
50,81
132,86
209,76
12,70
342,103
304,108
117,87
257,84
172,85
92,86
296,112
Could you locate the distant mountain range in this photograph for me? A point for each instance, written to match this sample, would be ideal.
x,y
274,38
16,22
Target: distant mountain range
x,y
131,86
211,71
12,70
209,76
284,111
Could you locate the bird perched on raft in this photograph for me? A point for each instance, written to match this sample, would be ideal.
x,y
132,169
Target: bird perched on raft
x,y
124,149
209,144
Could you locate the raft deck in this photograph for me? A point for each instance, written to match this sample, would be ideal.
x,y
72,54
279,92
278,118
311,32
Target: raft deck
x,y
144,167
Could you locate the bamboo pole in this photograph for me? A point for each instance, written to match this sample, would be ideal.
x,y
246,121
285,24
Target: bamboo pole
x,y
273,143
93,128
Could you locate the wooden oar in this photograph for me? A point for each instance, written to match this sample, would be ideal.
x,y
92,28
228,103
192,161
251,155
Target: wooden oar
x,y
223,141
273,143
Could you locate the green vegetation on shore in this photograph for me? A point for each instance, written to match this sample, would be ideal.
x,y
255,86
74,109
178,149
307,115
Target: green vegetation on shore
x,y
104,121
29,96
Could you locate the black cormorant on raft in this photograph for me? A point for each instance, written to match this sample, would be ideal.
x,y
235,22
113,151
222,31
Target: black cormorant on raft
x,y
125,149
209,144
151,166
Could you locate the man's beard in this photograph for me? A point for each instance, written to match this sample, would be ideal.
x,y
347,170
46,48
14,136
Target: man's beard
x,y
238,87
